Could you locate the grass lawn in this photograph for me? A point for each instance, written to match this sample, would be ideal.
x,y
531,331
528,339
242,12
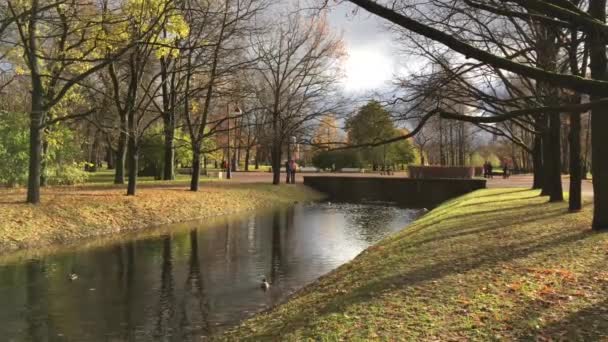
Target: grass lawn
x,y
492,265
106,177
67,214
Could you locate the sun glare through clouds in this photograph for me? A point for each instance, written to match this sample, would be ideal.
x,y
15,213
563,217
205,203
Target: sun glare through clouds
x,y
366,69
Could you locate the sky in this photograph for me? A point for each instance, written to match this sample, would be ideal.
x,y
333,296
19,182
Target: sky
x,y
371,61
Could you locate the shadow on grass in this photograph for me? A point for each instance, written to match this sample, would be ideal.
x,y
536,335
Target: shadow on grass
x,y
499,212
488,224
464,261
588,324
504,201
485,258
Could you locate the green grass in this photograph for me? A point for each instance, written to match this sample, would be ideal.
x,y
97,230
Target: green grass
x,y
492,265
106,177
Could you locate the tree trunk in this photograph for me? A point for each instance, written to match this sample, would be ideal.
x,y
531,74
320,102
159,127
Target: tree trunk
x,y
132,157
119,174
276,163
37,113
575,201
35,160
196,169
169,153
566,148
167,90
537,160
555,168
247,152
110,155
599,120
43,164
547,51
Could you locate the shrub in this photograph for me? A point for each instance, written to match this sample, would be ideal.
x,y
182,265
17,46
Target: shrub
x,y
63,156
337,159
14,145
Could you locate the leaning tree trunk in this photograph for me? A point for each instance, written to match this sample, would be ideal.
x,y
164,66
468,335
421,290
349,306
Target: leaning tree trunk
x,y
121,153
575,201
599,120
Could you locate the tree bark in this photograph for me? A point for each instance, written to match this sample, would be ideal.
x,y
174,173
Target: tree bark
x,y
121,153
43,164
169,153
35,160
540,124
575,200
247,152
276,163
37,113
554,167
599,121
196,169
547,59
110,158
168,121
132,157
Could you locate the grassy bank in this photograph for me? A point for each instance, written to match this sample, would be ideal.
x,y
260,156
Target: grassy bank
x,y
492,265
67,214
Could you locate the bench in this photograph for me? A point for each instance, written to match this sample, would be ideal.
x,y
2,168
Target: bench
x,y
308,169
351,170
215,174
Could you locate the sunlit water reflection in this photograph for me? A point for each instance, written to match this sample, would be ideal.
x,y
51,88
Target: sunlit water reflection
x,y
189,283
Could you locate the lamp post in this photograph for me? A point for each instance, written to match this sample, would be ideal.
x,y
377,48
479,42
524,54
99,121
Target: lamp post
x,y
290,173
228,166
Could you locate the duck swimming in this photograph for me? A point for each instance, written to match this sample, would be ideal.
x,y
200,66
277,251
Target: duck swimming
x,y
265,285
73,276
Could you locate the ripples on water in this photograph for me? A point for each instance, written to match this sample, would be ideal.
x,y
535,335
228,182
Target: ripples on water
x,y
190,283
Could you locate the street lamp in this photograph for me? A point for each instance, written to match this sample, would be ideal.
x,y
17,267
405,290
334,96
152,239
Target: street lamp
x,y
237,111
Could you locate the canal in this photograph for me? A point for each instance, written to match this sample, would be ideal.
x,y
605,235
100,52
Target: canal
x,y
189,282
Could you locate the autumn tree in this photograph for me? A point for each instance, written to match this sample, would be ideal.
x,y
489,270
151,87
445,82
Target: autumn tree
x,y
63,44
295,78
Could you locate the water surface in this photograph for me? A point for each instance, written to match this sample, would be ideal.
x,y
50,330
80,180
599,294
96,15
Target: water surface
x,y
189,283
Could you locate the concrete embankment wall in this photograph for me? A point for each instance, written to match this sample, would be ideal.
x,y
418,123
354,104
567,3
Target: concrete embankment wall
x,y
414,193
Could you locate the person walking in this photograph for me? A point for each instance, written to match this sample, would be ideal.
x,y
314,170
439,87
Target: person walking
x,y
287,172
292,171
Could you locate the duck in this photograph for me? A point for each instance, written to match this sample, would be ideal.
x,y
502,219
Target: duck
x,y
73,276
265,285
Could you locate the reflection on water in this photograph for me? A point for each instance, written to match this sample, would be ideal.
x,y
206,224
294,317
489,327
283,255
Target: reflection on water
x,y
190,283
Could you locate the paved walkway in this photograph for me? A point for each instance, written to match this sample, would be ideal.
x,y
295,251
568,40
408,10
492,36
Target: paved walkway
x,y
516,181
525,181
